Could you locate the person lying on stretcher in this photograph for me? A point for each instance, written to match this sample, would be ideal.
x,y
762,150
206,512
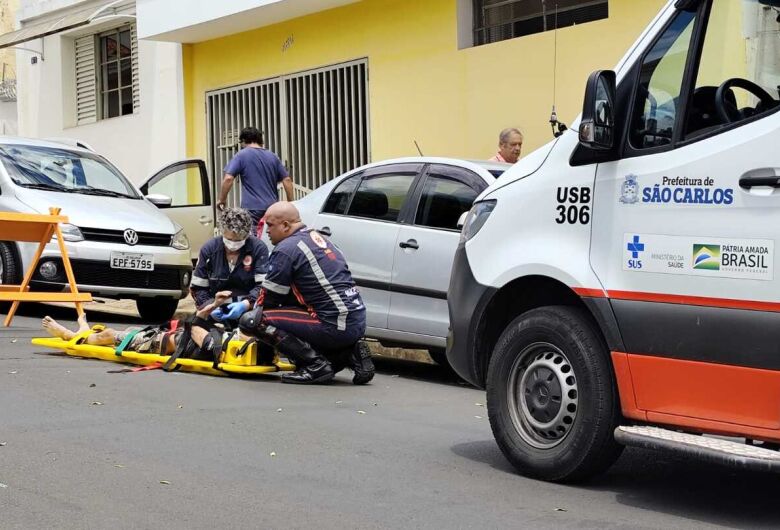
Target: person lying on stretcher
x,y
202,339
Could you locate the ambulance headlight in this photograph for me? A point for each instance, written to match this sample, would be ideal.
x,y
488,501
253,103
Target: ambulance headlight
x,y
180,241
476,219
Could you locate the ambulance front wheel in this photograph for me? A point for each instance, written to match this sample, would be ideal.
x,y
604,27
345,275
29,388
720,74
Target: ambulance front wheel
x,y
551,396
156,310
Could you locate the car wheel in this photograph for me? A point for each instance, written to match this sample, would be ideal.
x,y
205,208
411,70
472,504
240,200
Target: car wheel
x,y
439,356
9,268
10,271
156,310
551,396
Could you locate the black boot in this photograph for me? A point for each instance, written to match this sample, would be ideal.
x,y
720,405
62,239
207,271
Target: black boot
x,y
318,373
312,367
361,363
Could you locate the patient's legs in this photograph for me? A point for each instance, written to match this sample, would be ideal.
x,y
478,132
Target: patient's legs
x,y
101,338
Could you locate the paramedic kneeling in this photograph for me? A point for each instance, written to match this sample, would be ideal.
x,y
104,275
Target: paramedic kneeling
x,y
309,308
235,261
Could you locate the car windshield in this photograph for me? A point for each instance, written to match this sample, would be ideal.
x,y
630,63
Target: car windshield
x,y
62,170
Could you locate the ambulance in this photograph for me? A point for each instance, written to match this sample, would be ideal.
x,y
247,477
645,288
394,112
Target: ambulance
x,y
617,286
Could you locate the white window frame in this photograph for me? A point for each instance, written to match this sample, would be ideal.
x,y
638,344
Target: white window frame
x,y
89,63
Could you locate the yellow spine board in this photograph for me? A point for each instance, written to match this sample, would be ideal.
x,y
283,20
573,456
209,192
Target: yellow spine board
x,y
106,353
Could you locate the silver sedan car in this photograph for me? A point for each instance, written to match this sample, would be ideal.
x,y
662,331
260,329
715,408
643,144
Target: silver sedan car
x,y
397,223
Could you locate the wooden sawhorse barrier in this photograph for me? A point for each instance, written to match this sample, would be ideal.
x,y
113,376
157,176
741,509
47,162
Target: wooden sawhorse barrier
x,y
40,228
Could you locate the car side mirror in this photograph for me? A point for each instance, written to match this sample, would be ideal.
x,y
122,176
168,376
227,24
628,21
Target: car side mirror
x,y
160,200
462,220
597,128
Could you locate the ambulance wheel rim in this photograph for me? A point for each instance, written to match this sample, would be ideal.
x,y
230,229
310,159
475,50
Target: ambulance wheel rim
x,y
542,395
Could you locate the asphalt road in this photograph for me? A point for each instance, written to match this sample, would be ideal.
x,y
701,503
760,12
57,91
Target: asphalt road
x,y
191,451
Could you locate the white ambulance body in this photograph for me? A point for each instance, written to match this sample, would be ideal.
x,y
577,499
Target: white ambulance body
x,y
619,287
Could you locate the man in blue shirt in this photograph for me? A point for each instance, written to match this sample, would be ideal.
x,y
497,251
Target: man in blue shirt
x,y
309,308
260,172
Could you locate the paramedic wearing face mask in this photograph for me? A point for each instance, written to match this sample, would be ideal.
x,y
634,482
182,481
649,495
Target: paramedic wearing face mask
x,y
235,261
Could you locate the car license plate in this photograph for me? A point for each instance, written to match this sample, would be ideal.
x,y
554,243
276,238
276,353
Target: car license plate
x,y
136,262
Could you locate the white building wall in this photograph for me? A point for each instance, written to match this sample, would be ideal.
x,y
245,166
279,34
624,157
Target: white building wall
x,y
137,144
209,19
8,121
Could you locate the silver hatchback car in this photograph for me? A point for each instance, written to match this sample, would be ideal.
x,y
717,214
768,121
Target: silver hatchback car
x,y
119,243
397,223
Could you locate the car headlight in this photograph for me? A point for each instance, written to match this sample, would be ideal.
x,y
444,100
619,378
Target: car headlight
x,y
70,232
180,241
476,219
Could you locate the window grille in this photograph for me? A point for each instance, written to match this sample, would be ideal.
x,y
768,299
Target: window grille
x,y
496,20
316,121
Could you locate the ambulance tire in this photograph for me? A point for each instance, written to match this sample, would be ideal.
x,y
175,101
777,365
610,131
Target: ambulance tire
x,y
156,310
551,396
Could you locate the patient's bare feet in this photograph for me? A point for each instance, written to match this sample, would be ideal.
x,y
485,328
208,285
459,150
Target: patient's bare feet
x,y
56,329
83,325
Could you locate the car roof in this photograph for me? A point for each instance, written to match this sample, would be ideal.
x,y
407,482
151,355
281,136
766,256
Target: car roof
x,y
481,167
70,144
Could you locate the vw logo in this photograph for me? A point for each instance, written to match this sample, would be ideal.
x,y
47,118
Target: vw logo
x,y
131,236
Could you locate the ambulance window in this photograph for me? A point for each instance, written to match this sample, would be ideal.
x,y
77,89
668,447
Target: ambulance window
x,y
741,54
660,83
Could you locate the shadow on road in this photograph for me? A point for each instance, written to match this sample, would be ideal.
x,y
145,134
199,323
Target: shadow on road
x,y
420,371
662,482
485,452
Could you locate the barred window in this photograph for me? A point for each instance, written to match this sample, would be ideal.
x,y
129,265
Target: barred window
x,y
316,121
496,20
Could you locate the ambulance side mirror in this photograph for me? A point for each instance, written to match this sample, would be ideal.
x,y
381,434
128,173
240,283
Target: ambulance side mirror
x,y
597,128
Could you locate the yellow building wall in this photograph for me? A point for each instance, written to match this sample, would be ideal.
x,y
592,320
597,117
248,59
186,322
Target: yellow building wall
x,y
421,87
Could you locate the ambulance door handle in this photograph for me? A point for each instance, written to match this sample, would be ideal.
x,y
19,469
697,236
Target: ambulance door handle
x,y
760,177
412,243
204,220
325,231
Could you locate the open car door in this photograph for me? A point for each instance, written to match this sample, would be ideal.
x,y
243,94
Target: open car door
x,y
182,191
